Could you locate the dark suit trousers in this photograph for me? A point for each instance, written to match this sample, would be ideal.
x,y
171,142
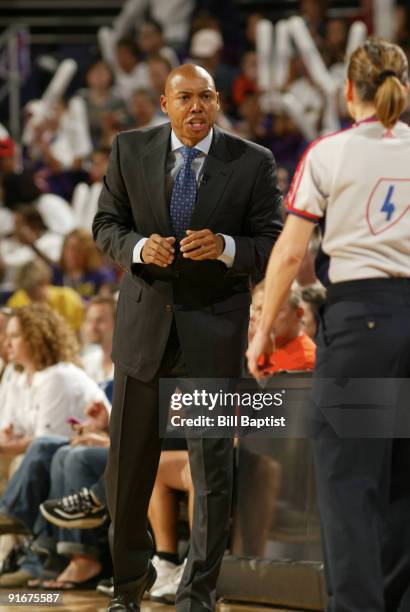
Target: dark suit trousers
x,y
130,476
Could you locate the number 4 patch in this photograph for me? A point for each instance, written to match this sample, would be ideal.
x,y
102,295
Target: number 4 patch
x,y
388,203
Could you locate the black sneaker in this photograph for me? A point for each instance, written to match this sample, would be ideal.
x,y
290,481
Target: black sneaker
x,y
78,511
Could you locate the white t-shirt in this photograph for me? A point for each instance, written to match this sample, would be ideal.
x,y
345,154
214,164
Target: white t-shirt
x,y
358,181
56,393
93,362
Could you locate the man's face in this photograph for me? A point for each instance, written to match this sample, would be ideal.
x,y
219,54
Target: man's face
x,y
255,312
192,104
287,323
142,109
125,58
99,323
99,163
309,320
150,39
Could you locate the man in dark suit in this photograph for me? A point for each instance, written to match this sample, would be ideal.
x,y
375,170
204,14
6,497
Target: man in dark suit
x,y
191,214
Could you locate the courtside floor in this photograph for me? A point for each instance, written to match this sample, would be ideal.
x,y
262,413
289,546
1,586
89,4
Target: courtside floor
x,y
90,601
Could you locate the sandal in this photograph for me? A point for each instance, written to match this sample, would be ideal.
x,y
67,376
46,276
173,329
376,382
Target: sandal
x,y
69,585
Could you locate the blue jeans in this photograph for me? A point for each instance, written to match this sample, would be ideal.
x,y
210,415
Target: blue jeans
x,y
30,484
71,469
51,469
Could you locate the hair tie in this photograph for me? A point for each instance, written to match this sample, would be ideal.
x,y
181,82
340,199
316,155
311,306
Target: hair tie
x,y
384,75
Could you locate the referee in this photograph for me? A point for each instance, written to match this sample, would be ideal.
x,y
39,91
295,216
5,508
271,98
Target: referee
x,y
356,184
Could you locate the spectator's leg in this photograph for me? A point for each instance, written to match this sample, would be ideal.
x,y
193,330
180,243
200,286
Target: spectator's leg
x,y
173,475
82,467
30,484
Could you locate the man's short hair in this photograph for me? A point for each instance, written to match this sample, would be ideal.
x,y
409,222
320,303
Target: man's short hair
x,y
130,44
104,300
32,216
294,298
314,295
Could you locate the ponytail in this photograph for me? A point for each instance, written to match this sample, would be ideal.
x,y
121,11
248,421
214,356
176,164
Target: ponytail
x,y
390,101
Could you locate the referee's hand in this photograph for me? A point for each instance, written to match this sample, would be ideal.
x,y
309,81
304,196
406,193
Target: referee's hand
x,y
259,350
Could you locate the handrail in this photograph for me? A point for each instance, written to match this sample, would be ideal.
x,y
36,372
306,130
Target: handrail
x,y
14,49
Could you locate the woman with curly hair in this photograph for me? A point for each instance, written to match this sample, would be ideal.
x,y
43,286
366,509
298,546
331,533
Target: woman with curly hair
x,y
81,266
52,387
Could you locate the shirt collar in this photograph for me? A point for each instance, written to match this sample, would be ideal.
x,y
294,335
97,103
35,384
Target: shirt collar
x,y
203,145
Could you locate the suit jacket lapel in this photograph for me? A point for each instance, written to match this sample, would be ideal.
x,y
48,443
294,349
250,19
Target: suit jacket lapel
x,y
154,160
215,177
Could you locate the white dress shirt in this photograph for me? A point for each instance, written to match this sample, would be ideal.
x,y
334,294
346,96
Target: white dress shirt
x,y
228,255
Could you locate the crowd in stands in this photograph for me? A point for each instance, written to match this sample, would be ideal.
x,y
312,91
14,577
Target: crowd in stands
x,y
57,292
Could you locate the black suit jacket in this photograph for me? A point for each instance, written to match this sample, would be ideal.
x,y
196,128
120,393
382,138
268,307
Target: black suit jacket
x,y
238,196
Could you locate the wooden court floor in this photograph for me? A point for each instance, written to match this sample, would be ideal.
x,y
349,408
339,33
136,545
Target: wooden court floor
x,y
91,601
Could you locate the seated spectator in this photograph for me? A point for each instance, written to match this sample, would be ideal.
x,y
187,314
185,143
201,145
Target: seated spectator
x,y
335,42
60,144
21,188
30,240
294,350
246,82
101,102
283,180
254,123
206,49
307,93
85,196
33,285
173,16
98,331
313,298
31,230
58,466
286,142
150,41
143,110
250,30
81,266
130,73
55,388
158,70
314,14
4,318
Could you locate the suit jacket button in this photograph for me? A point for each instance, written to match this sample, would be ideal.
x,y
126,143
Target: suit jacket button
x,y
168,308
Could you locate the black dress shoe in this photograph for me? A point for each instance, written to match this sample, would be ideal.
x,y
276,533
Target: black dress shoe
x,y
122,604
127,597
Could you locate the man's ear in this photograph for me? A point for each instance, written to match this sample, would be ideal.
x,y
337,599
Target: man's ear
x,y
217,100
349,90
163,103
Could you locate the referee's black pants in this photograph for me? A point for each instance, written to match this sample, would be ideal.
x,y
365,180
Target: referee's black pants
x,y
363,483
130,475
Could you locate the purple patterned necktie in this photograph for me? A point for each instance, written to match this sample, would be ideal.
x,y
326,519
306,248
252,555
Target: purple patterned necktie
x,y
183,195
